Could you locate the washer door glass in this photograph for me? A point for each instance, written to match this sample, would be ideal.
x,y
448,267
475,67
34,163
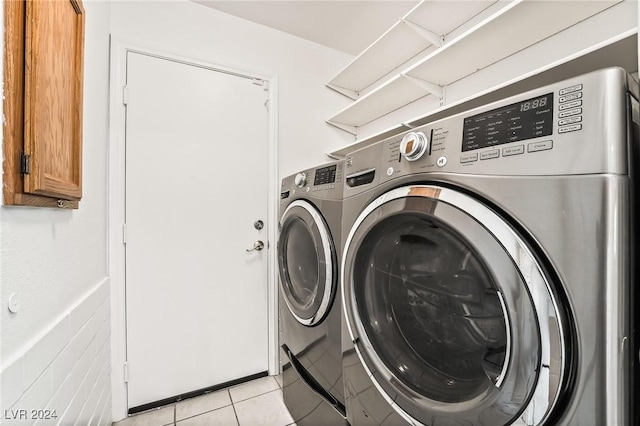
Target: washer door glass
x,y
306,258
450,312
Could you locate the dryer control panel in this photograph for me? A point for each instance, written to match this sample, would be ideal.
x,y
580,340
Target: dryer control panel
x,y
577,126
324,182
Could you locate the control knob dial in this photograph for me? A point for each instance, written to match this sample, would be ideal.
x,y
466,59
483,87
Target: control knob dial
x,y
413,145
300,180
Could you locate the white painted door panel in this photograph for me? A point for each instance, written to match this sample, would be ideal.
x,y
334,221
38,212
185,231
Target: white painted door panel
x,y
196,181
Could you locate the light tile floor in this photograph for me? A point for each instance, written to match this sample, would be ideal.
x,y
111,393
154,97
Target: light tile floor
x,y
258,402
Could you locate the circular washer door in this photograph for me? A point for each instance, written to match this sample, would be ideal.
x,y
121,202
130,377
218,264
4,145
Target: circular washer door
x,y
307,263
450,313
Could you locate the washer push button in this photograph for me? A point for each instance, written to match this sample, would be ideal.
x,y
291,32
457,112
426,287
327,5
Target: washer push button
x,y
570,120
572,128
488,155
539,146
513,150
570,112
469,158
570,105
571,97
571,89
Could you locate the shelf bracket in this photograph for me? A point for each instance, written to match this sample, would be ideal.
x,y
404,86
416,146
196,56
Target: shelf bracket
x,y
351,94
429,87
333,156
344,127
430,36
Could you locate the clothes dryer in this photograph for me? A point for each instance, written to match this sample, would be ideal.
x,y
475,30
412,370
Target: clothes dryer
x,y
310,302
488,270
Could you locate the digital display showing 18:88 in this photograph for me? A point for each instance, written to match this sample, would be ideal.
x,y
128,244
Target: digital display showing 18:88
x,y
533,104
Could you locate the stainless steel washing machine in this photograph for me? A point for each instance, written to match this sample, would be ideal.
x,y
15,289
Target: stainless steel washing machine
x,y
488,272
310,301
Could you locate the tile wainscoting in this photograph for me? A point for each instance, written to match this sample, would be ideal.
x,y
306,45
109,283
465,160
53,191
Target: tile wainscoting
x,y
66,371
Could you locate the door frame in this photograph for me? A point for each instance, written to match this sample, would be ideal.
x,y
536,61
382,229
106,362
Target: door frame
x,y
116,210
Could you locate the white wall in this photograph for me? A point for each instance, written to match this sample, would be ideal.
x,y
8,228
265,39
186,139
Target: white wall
x,y
302,67
55,351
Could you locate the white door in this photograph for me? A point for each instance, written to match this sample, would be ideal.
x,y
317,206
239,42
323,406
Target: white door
x,y
196,182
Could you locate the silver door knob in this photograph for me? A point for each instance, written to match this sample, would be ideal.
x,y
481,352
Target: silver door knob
x,y
257,246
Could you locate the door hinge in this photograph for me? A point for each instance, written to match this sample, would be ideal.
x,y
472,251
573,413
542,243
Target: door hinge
x,y
25,163
125,95
265,88
126,372
260,82
124,233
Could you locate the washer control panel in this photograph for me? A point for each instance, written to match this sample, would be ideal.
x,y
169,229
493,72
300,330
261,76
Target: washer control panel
x,y
572,127
524,120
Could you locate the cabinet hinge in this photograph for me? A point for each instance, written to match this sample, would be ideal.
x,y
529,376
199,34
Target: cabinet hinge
x,y
25,163
125,95
126,372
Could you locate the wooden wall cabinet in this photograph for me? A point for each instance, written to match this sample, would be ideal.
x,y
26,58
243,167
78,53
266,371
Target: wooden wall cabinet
x,y
43,78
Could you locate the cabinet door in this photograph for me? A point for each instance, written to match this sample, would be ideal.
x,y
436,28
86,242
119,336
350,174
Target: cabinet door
x,y
53,98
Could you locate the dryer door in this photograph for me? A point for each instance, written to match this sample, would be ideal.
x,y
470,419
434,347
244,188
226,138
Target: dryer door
x,y
451,314
307,263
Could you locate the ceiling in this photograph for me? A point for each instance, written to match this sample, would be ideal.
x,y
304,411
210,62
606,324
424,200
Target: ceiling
x,y
347,26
